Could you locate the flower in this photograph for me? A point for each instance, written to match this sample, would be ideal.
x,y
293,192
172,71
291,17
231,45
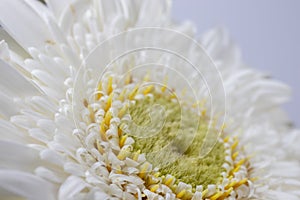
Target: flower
x,y
112,100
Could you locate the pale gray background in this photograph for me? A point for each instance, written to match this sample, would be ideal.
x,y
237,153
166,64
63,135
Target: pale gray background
x,y
267,32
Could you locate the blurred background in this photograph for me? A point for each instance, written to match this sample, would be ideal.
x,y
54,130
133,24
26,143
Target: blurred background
x,y
266,31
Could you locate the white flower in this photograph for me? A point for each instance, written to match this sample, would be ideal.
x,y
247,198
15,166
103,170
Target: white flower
x,y
95,104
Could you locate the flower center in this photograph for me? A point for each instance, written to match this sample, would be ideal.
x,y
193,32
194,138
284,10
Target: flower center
x,y
176,141
146,134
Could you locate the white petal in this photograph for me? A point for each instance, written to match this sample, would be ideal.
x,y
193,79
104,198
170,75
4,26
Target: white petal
x,y
57,6
8,107
52,157
109,10
13,84
10,133
71,13
13,45
281,195
10,156
4,51
72,186
24,24
154,12
26,185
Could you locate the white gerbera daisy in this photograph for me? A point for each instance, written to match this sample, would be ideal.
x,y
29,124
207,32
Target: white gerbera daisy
x,y
112,100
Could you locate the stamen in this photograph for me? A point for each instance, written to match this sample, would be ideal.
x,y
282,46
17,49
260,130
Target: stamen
x,y
136,155
169,181
99,147
242,182
144,170
148,89
236,142
123,111
107,118
181,193
92,114
123,140
109,85
226,194
235,155
99,89
154,188
123,154
122,95
133,93
216,196
109,102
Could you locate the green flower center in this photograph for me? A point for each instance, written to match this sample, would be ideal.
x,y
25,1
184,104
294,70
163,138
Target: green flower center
x,y
171,135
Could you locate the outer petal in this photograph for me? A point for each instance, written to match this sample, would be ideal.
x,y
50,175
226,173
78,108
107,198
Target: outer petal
x,y
72,186
26,185
58,6
7,39
25,25
154,12
13,84
10,157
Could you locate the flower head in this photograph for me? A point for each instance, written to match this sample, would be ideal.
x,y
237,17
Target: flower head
x,y
112,100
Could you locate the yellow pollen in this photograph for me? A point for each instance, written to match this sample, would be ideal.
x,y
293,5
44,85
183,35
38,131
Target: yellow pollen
x,y
236,142
107,118
230,185
240,162
154,188
123,154
237,168
242,182
163,88
123,140
169,181
144,169
109,102
92,114
136,155
99,89
204,192
119,170
109,85
148,89
226,194
123,111
157,174
216,196
120,132
151,180
226,139
235,155
181,193
133,93
122,94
